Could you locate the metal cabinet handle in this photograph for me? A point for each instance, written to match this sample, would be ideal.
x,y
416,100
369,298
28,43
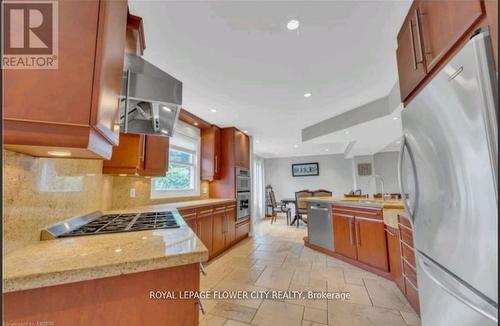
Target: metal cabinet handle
x,y
126,99
417,21
202,309
358,238
202,269
413,55
319,208
406,202
350,233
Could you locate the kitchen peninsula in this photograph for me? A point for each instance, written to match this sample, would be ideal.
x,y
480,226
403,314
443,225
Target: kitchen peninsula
x,y
113,272
370,233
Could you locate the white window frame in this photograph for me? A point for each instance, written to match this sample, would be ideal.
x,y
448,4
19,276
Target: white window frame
x,y
193,134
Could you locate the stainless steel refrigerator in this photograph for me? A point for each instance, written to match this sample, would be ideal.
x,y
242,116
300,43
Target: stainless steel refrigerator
x,y
448,177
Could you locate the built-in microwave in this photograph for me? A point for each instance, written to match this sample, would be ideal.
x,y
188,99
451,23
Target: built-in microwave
x,y
243,182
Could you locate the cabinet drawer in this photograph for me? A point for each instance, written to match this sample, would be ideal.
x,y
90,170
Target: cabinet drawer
x,y
358,211
412,295
409,272
201,211
186,212
406,235
409,254
403,220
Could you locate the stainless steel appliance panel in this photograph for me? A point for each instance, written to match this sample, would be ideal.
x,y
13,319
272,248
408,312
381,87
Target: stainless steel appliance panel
x,y
447,301
243,182
450,153
320,225
242,204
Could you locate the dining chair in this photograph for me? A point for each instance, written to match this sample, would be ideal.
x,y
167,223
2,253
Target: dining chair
x,y
301,205
278,207
322,193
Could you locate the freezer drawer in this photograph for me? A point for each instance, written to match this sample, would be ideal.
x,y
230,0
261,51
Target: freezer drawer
x,y
445,301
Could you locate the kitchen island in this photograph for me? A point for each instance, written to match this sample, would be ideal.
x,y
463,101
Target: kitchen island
x,y
108,279
372,234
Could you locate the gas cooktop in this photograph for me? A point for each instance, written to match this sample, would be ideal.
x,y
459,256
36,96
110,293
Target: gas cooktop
x,y
97,223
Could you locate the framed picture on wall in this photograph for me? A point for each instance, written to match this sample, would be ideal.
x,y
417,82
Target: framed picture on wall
x,y
305,169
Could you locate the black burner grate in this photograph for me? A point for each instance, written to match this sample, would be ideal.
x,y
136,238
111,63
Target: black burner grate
x,y
114,223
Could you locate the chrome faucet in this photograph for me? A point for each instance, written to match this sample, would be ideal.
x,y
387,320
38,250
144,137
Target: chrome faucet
x,y
376,176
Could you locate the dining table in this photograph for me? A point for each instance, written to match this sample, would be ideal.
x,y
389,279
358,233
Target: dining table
x,y
296,217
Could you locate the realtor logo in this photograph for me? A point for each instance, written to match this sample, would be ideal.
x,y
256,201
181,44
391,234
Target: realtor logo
x,y
29,34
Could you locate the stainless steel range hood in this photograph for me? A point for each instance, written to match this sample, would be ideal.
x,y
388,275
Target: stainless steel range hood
x,y
151,99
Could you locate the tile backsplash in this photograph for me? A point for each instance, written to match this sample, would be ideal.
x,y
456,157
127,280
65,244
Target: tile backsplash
x,y
39,192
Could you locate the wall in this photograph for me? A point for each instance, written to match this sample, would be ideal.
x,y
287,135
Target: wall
x,y
39,192
120,194
335,174
386,165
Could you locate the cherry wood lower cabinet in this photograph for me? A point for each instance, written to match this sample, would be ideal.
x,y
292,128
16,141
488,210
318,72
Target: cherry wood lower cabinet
x,y
216,226
394,249
117,300
408,265
343,226
359,235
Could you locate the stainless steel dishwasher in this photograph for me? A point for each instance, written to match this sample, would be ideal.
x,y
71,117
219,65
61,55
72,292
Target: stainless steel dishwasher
x,y
320,225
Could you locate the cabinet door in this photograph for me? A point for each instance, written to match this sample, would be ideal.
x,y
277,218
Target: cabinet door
x,y
371,242
409,55
61,95
126,157
155,162
230,225
242,149
443,23
393,247
219,230
204,228
109,68
210,153
343,235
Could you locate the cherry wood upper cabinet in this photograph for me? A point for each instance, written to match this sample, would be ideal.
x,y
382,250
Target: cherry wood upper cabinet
x,y
443,23
210,153
433,32
242,149
409,54
144,155
343,235
72,110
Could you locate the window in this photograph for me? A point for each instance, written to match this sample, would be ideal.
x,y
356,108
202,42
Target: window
x,y
182,179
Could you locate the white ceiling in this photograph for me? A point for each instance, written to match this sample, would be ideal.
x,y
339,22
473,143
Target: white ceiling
x,y
238,57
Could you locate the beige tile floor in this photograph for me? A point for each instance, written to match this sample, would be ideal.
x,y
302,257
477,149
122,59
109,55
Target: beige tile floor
x,y
275,259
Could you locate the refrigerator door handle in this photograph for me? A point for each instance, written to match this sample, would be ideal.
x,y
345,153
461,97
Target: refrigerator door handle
x,y
402,190
457,289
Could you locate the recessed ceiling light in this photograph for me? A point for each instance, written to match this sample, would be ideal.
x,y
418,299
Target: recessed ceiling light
x,y
326,149
296,146
163,131
257,141
59,153
213,110
293,24
347,132
395,118
398,141
307,95
196,123
245,131
166,108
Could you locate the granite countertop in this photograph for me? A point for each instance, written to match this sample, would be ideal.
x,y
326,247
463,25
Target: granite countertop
x,y
74,259
391,208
